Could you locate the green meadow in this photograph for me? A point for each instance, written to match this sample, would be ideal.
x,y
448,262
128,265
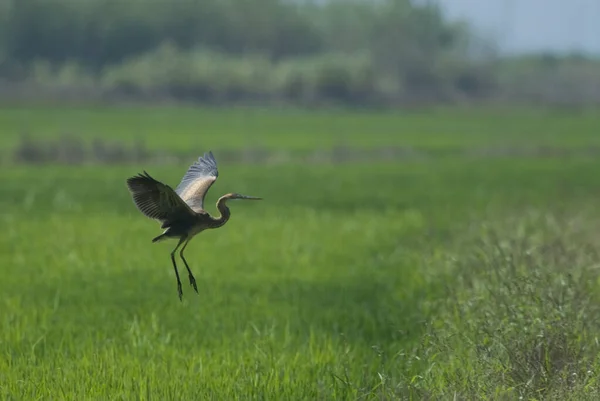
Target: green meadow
x,y
462,275
185,128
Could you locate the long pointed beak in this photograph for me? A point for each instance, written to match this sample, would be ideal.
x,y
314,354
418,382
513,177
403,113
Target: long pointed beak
x,y
249,197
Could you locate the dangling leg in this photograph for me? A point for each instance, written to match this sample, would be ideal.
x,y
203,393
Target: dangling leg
x,y
190,275
179,290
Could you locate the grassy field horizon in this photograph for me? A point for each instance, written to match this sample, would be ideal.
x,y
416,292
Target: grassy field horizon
x,y
198,128
437,278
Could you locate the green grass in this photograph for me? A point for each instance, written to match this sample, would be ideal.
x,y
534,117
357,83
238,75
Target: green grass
x,y
435,279
190,128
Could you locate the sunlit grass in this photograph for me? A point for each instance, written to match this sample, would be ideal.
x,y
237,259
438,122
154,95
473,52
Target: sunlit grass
x,y
437,279
180,129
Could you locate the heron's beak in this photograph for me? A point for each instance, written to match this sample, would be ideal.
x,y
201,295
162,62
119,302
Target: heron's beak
x,y
249,197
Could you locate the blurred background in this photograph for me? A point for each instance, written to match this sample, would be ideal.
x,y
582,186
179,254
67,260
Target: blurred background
x,y
350,52
429,228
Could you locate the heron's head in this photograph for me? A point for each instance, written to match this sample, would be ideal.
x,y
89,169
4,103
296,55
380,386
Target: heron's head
x,y
240,196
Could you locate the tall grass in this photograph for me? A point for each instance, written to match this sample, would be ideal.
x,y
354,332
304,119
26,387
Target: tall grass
x,y
442,278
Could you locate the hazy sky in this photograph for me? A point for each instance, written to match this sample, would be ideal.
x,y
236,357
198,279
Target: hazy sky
x,y
525,25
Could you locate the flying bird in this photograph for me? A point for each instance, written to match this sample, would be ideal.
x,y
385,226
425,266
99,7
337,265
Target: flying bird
x,y
181,211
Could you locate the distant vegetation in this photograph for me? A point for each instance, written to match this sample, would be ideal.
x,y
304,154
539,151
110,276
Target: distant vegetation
x,y
350,52
450,279
167,135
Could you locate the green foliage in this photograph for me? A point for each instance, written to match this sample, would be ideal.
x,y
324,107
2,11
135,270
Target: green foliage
x,y
205,75
441,278
97,32
200,75
350,52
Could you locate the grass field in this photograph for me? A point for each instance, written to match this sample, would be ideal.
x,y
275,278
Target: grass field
x,y
442,278
184,128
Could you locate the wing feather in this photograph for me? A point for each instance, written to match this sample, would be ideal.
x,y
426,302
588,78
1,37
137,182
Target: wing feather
x,y
197,180
157,200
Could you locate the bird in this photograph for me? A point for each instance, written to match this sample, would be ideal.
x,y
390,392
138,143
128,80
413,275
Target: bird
x,y
181,211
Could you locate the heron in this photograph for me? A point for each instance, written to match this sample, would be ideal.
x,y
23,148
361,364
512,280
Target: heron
x,y
181,211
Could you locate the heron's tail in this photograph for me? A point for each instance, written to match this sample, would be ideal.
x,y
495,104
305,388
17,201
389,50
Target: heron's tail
x,y
161,237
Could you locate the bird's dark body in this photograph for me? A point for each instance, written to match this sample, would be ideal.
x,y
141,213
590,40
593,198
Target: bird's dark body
x,y
189,227
176,229
181,211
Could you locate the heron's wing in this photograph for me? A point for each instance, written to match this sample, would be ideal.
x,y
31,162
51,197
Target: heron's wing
x,y
197,180
157,200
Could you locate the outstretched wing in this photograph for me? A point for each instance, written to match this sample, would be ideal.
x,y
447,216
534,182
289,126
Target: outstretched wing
x,y
157,200
197,180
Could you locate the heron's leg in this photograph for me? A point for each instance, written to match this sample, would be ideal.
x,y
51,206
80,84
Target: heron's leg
x,y
190,275
179,290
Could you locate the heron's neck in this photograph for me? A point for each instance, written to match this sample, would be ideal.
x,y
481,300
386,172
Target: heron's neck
x,y
225,213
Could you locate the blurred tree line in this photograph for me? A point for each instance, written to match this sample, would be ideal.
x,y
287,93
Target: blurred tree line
x,y
351,51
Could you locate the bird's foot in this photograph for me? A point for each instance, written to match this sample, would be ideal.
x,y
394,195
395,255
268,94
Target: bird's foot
x,y
193,283
180,291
